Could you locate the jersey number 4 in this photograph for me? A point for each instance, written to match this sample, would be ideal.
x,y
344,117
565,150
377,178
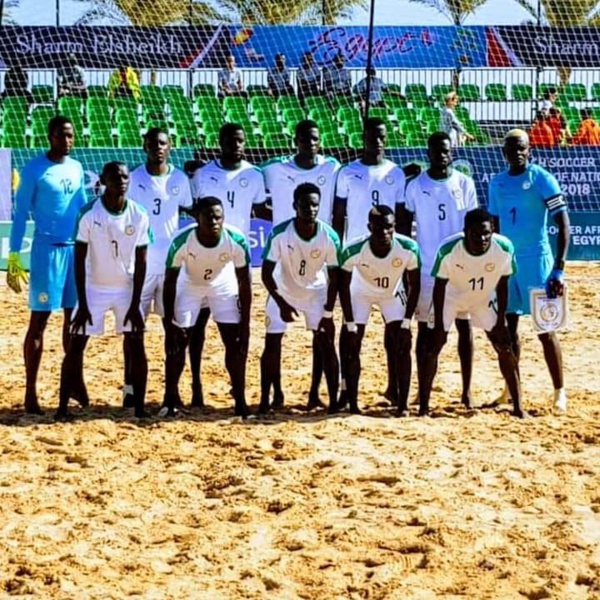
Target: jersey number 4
x,y
231,198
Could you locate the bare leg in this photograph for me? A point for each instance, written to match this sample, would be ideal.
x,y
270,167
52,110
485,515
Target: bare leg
x,y
553,356
71,370
139,371
235,363
421,353
33,348
391,367
352,369
317,373
174,364
331,365
270,370
430,365
508,366
465,354
197,338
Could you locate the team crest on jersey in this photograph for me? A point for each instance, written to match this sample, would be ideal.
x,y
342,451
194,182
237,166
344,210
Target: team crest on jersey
x,y
224,257
526,185
489,267
389,180
43,297
321,180
129,230
549,313
243,182
397,262
315,254
175,190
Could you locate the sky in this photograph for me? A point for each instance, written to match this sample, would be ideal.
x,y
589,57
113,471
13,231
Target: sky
x,y
387,12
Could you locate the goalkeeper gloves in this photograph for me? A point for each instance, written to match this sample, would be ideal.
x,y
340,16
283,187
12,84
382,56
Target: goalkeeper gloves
x,y
555,279
15,272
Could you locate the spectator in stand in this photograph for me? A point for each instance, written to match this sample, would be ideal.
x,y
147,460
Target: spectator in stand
x,y
230,79
309,77
588,133
15,84
548,99
336,78
278,78
123,83
375,93
71,80
451,124
558,125
541,135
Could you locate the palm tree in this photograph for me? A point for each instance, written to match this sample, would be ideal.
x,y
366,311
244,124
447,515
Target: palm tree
x,y
564,13
455,10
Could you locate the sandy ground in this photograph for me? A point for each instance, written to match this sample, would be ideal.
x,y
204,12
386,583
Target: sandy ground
x,y
460,505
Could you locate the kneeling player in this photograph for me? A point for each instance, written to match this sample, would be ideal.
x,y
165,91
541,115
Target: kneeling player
x,y
471,273
372,271
216,272
306,252
110,266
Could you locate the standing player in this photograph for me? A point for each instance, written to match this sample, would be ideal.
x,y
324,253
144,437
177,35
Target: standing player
x,y
300,272
521,198
206,250
162,190
471,273
372,272
282,176
52,190
438,200
372,180
113,234
240,187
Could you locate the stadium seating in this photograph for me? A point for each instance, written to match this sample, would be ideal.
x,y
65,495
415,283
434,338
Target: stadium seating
x,y
574,92
333,140
468,92
277,140
42,94
496,92
521,91
204,89
416,93
440,90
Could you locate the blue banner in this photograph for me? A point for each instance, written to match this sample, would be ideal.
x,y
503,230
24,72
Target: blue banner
x,y
393,47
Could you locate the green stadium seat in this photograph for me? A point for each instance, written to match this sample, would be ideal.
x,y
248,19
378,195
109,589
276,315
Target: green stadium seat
x,y
172,91
392,101
153,113
70,106
574,92
521,91
160,123
97,109
211,127
152,94
404,113
186,134
542,87
462,112
316,103
240,117
469,92
341,101
408,127
16,106
326,126
395,140
252,141
129,139
354,125
100,128
270,127
292,115
355,140
416,92
265,114
432,126
416,140
204,89
125,102
230,102
430,113
378,112
101,139
277,141
38,141
333,140
212,140
440,90
40,116
595,91
595,113
257,91
394,88
14,140
127,115
208,103
97,91
345,113
418,103
262,103
285,102
42,94
208,114
496,92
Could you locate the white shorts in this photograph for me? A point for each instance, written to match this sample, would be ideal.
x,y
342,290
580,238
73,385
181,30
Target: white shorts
x,y
392,307
152,295
313,309
190,300
425,304
102,301
483,315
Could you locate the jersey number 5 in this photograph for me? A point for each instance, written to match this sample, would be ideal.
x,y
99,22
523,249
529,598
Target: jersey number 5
x,y
442,212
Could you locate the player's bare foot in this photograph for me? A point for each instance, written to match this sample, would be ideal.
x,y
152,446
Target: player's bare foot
x,y
389,396
32,406
264,407
521,414
80,396
424,412
241,410
128,399
140,413
466,400
333,408
62,416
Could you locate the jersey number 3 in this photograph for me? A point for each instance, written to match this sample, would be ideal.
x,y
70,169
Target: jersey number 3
x,y
157,205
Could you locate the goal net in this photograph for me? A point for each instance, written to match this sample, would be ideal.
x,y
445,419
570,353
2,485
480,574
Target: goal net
x,y
119,67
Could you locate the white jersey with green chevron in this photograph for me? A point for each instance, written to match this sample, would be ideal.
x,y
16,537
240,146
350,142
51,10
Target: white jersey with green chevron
x,y
302,264
283,176
238,190
161,196
381,276
474,278
209,267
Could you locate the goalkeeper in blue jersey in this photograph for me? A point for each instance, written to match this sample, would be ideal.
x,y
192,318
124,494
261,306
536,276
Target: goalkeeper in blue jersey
x,y
52,191
521,198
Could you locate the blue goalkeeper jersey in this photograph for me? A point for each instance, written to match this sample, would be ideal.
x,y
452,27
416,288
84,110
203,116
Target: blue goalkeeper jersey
x,y
53,193
522,203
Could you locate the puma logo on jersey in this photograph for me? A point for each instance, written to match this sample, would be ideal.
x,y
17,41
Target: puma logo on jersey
x,y
459,267
365,265
142,187
290,247
97,223
192,255
357,176
214,179
426,192
292,179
